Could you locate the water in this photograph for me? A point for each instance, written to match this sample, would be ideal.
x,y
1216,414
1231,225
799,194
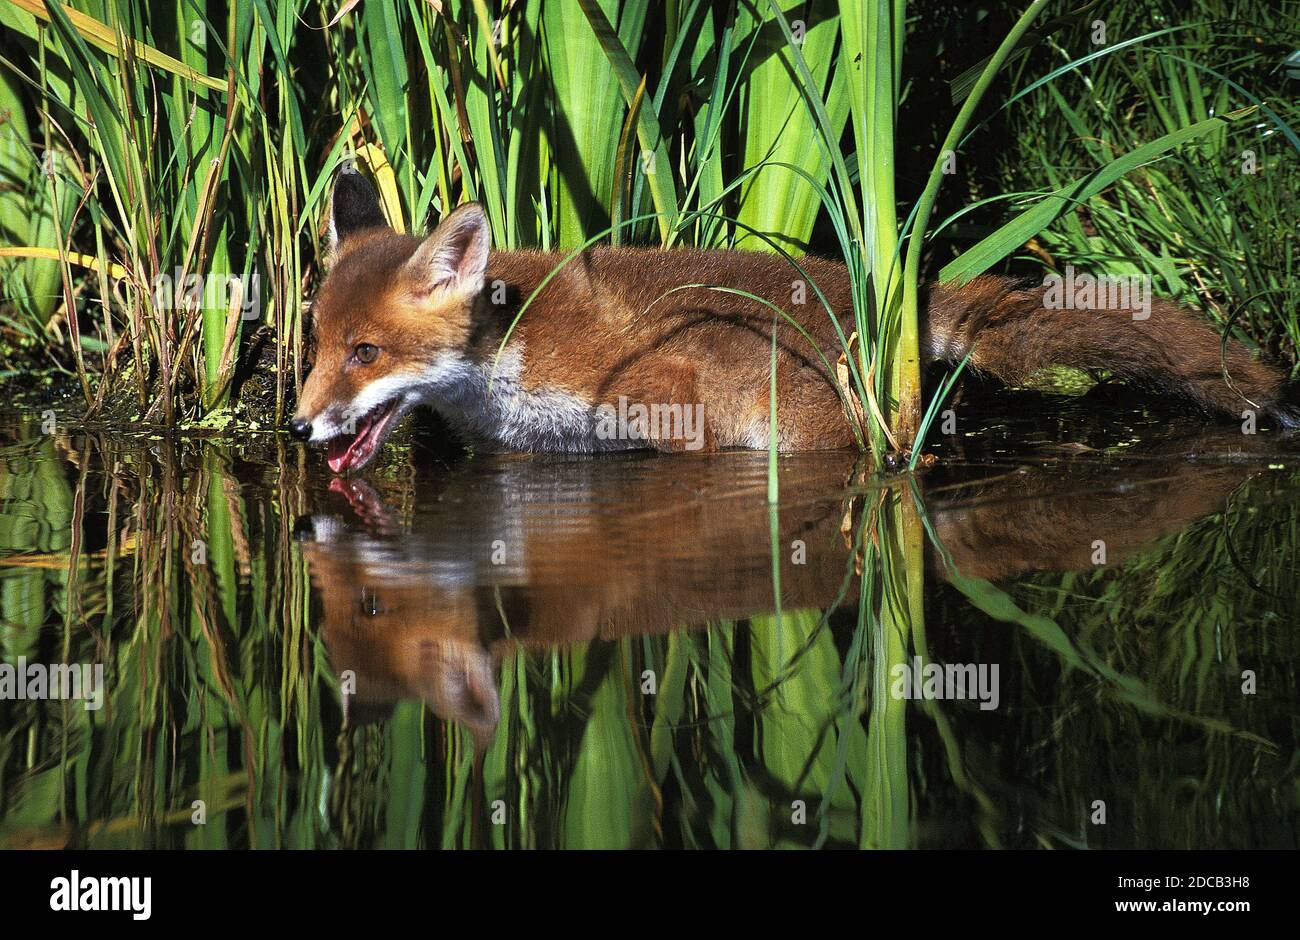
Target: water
x,y
544,651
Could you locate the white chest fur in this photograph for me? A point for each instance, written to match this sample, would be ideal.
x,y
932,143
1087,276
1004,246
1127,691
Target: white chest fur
x,y
495,409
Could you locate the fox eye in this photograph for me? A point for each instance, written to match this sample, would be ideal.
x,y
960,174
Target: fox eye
x,y
366,353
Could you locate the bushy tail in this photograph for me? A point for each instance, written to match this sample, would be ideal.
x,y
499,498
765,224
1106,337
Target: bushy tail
x,y
1013,331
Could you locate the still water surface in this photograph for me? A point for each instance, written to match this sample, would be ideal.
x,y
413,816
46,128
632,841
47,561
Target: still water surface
x,y
638,651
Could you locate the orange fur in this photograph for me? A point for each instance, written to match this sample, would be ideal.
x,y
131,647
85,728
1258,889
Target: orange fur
x,y
689,328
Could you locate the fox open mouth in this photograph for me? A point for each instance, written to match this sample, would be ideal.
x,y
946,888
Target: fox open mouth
x,y
353,451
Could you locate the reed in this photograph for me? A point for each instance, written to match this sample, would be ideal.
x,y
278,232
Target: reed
x,y
154,145
1208,222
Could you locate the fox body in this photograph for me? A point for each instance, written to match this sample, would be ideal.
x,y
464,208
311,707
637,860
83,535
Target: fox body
x,y
627,348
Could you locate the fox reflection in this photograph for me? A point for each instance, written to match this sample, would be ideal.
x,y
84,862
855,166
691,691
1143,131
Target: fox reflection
x,y
551,552
547,553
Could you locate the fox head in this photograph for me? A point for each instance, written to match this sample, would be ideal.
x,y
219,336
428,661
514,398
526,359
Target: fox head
x,y
391,321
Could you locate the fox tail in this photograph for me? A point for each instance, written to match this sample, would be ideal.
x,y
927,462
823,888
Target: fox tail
x,y
1011,332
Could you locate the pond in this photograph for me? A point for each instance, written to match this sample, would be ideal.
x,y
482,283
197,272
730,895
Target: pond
x,y
1097,643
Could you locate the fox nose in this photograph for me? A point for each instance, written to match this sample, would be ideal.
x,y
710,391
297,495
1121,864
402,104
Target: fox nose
x,y
300,428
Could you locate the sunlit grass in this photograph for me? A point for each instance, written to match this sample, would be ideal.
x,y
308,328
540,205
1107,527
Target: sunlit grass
x,y
209,149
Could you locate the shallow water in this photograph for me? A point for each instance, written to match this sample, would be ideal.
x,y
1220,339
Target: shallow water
x,y
636,651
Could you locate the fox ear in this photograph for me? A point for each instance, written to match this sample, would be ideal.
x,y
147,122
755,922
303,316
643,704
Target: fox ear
x,y
353,207
455,256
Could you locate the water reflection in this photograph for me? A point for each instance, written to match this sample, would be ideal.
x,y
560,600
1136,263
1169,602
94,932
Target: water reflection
x,y
640,651
548,553
551,553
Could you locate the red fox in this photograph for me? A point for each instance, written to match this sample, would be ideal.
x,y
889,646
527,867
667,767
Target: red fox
x,y
627,348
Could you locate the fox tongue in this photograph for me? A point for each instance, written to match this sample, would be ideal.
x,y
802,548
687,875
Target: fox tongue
x,y
340,452
346,451
337,454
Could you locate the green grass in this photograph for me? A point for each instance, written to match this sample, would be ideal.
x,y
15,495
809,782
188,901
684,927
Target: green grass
x,y
201,138
1209,222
